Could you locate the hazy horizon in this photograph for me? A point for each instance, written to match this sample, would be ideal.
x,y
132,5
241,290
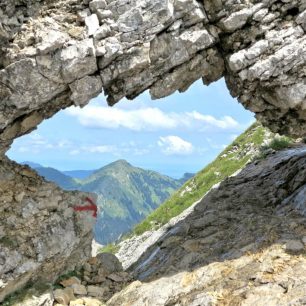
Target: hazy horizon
x,y
178,134
95,169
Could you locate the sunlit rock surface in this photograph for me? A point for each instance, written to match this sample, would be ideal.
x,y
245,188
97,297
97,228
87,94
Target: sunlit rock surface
x,y
54,54
41,236
60,53
244,243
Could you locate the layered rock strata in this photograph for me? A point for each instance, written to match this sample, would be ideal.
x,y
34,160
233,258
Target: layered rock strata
x,y
59,53
41,236
244,243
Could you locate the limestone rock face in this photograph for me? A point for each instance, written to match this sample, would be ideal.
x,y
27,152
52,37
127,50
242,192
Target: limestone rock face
x,y
242,244
57,53
41,236
69,51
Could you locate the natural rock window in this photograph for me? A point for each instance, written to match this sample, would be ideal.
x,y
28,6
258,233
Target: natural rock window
x,y
147,134
54,54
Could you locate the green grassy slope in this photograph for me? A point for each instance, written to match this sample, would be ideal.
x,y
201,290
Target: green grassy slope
x,y
233,158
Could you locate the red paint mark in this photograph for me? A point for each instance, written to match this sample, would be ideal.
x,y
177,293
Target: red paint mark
x,y
90,207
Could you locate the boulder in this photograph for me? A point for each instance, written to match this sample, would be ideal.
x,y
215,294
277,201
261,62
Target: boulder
x,y
108,263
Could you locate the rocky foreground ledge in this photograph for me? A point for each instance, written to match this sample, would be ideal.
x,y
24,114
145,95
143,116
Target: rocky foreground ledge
x,y
89,284
244,243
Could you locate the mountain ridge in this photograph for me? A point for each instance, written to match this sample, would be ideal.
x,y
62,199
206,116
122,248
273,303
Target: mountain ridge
x,y
126,194
78,174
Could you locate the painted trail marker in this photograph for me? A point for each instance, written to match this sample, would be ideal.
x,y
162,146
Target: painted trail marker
x,y
92,207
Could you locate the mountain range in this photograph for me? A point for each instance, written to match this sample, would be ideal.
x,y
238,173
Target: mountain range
x,y
126,194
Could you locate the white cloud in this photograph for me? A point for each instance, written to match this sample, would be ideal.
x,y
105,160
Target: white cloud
x,y
140,152
224,123
75,152
147,119
35,143
99,149
23,149
174,145
35,139
123,150
64,143
113,118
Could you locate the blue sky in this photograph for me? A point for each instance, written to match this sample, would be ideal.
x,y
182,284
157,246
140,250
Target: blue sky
x,y
178,134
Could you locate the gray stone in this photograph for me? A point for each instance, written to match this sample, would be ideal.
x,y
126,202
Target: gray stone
x,y
102,32
45,299
79,289
53,41
92,24
85,89
295,246
109,263
301,19
95,291
64,296
116,277
258,16
237,20
95,5
78,60
70,281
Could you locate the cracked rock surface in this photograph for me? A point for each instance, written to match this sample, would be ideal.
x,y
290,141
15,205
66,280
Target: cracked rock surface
x,y
40,234
244,243
58,53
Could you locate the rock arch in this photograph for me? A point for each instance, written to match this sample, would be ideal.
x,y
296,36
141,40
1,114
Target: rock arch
x,y
54,54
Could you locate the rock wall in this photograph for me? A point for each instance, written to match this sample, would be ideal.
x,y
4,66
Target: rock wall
x,y
41,236
244,243
59,53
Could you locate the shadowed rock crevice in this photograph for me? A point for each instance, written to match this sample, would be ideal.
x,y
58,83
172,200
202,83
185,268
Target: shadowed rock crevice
x,y
27,122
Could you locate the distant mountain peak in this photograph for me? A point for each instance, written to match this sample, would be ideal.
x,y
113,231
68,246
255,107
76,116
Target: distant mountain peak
x,y
122,162
126,194
32,164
